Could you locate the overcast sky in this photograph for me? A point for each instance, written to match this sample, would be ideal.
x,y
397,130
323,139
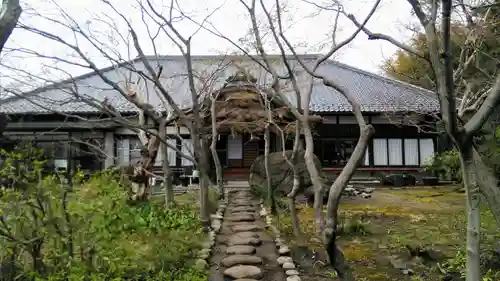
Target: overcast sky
x,y
307,29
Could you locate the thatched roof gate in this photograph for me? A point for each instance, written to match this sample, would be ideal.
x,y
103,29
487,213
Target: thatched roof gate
x,y
241,108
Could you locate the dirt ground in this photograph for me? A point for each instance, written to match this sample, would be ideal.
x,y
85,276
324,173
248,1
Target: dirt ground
x,y
378,230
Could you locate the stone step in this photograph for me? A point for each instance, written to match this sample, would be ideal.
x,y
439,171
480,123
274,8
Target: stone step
x,y
233,260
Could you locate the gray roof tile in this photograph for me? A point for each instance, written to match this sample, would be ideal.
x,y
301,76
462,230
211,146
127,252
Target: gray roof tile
x,y
375,93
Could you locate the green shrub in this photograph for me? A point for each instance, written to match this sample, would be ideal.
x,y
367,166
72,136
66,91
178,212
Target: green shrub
x,y
52,231
445,164
353,226
458,264
260,191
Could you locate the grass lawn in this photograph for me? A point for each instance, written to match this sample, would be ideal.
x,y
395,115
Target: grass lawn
x,y
429,217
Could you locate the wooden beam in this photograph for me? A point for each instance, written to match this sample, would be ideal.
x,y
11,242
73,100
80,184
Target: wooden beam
x,y
60,125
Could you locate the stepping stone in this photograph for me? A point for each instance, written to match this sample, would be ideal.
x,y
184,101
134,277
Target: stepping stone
x,y
253,213
244,271
239,214
245,279
243,204
246,227
241,260
284,250
293,278
283,260
251,241
241,250
243,209
291,272
288,265
247,234
240,206
279,242
241,217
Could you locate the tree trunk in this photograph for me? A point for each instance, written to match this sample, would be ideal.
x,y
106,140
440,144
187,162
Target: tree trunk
x,y
488,185
335,255
144,169
204,183
299,238
167,179
37,256
316,179
270,191
10,12
218,167
213,148
473,213
485,174
167,173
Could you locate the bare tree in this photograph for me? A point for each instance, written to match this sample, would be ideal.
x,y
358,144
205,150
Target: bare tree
x,y
267,140
167,173
213,146
462,125
302,115
9,15
152,120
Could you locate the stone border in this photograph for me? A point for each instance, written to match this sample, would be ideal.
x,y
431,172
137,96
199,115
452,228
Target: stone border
x,y
284,259
216,225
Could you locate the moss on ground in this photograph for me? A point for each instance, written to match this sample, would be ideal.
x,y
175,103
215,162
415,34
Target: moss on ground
x,y
429,217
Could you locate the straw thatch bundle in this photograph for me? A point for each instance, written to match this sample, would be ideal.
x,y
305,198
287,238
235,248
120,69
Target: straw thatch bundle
x,y
240,107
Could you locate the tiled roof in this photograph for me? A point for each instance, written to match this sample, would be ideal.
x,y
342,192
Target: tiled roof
x,y
375,93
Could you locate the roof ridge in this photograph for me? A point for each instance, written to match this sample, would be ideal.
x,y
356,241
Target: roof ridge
x,y
378,76
245,56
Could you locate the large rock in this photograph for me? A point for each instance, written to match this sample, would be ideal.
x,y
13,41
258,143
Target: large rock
x,y
282,174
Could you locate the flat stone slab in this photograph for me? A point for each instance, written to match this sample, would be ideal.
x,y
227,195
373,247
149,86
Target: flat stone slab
x,y
245,279
246,213
244,271
237,240
241,217
241,260
246,227
241,250
243,204
247,234
243,209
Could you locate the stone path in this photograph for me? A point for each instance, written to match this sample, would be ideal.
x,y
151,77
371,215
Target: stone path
x,y
243,250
